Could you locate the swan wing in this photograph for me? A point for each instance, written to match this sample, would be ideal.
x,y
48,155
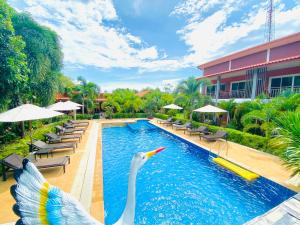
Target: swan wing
x,y
39,203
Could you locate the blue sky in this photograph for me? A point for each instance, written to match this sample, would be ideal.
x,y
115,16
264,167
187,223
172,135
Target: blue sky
x,y
153,43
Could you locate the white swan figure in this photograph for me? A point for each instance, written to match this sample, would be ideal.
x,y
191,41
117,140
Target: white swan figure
x,y
39,203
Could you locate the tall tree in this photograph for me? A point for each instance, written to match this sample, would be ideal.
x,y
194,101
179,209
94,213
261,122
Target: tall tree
x,y
13,63
155,100
44,58
189,94
86,93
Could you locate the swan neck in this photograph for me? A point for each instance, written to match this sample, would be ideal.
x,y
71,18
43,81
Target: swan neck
x,y
127,217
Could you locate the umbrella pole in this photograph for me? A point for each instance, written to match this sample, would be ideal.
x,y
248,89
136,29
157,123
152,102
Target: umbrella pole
x,y
30,135
22,129
74,114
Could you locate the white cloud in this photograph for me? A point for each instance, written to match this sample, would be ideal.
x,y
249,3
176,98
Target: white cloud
x,y
88,40
214,34
212,29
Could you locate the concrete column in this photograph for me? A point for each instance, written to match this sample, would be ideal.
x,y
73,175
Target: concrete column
x,y
218,88
254,84
202,89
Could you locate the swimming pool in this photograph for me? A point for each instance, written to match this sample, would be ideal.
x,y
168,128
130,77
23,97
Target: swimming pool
x,y
180,185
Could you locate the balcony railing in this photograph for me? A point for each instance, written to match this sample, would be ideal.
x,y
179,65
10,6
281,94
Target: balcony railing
x,y
274,92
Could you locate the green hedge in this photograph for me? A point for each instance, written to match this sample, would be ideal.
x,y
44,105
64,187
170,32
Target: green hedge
x,y
86,116
20,145
161,116
129,115
243,138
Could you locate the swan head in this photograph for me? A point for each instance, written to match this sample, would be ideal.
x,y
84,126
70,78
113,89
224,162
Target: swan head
x,y
140,158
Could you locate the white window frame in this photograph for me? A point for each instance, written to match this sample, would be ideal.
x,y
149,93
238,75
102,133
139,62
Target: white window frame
x,y
215,87
234,82
282,76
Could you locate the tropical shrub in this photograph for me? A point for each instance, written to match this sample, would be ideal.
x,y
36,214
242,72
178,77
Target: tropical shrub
x,y
287,141
123,100
161,116
188,95
20,146
155,100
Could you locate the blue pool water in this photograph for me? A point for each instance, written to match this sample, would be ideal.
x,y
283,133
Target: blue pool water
x,y
180,185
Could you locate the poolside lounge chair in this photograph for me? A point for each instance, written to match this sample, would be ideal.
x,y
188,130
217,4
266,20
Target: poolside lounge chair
x,y
198,130
54,138
14,161
220,134
42,148
78,122
182,127
169,120
76,128
62,130
177,122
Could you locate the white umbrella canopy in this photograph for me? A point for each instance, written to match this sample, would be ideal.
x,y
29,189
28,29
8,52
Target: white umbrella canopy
x,y
27,112
63,106
210,109
73,103
172,106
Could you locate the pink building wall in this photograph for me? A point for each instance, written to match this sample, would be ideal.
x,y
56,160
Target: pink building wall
x,y
285,51
217,68
248,60
277,53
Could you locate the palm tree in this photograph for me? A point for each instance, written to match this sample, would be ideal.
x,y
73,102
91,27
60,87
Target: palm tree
x,y
87,93
189,94
287,141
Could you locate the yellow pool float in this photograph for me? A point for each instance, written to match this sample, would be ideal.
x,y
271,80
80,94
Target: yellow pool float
x,y
246,174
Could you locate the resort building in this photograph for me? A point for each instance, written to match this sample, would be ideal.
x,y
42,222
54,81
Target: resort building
x,y
267,69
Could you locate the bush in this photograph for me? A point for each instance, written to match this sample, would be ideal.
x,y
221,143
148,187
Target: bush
x,y
129,115
161,116
20,146
84,116
243,138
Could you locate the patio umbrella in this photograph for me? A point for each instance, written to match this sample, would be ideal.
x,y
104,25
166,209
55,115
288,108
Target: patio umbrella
x,y
27,112
64,106
70,103
172,106
212,109
73,103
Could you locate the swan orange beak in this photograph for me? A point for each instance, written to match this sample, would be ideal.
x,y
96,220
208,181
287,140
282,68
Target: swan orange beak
x,y
154,152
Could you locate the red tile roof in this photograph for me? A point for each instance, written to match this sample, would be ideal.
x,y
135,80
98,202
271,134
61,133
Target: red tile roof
x,y
62,97
141,94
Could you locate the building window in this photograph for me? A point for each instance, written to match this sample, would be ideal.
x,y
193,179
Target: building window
x,y
286,82
279,84
239,86
211,90
297,81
